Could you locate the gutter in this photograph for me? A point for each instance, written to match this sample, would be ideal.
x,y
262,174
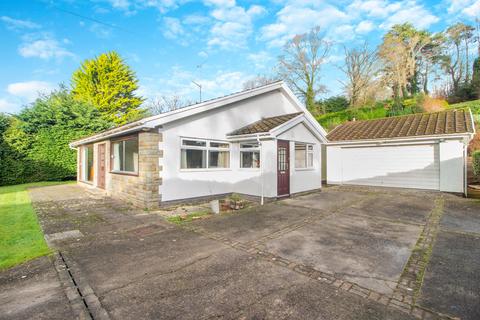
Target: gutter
x,y
399,140
106,135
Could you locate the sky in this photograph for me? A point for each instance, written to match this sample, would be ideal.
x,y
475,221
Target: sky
x,y
170,43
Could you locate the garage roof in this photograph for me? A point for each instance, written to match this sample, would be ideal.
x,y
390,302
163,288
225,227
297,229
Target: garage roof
x,y
265,124
456,121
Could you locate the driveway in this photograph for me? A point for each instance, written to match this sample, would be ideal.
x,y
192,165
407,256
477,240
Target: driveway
x,y
343,253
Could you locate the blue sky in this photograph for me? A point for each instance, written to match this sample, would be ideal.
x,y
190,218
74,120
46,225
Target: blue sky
x,y
169,43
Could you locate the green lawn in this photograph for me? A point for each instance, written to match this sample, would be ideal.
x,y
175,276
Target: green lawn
x,y
21,237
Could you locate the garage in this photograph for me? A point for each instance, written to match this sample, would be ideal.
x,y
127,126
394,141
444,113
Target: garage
x,y
421,151
414,166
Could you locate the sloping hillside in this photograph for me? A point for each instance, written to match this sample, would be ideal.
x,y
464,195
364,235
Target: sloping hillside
x,y
333,119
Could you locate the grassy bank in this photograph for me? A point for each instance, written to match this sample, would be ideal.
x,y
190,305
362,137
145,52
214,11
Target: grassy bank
x,y
21,238
333,119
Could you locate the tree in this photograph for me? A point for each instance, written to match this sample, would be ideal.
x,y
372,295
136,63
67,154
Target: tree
x,y
360,69
400,51
166,104
300,64
34,145
108,83
333,104
455,59
257,81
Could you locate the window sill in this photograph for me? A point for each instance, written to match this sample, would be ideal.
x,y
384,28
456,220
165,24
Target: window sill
x,y
249,169
124,173
304,169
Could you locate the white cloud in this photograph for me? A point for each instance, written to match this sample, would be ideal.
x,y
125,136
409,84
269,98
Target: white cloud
x,y
178,81
472,10
411,12
8,106
374,8
195,19
364,27
295,19
260,59
29,90
44,48
233,24
172,28
16,24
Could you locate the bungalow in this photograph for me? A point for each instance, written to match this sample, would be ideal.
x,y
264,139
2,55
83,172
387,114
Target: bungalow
x,y
260,142
264,143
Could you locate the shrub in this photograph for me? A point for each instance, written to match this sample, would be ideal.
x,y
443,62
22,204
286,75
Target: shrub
x,y
334,104
34,144
476,163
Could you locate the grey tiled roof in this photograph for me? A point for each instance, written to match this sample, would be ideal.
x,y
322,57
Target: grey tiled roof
x,y
421,124
264,125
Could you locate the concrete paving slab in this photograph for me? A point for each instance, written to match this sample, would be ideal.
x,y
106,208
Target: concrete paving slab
x,y
230,284
408,209
462,216
327,200
452,280
33,291
255,223
368,251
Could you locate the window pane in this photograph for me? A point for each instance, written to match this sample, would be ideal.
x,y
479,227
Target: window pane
x,y
88,164
219,159
219,145
300,155
250,159
193,159
131,155
195,143
310,160
117,156
249,145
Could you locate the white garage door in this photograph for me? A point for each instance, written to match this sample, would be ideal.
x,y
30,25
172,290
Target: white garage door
x,y
398,166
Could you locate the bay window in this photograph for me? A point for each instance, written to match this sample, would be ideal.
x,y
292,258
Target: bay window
x,y
202,154
124,154
303,156
249,155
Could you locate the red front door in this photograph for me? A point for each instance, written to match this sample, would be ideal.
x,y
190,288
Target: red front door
x,y
283,168
101,166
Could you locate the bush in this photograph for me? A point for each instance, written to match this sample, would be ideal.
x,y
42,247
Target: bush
x,y
476,163
331,120
334,104
34,144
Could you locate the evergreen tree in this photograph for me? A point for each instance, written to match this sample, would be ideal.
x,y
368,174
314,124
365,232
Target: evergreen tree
x,y
108,83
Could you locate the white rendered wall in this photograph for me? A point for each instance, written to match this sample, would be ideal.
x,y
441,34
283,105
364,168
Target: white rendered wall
x,y
302,179
334,165
452,166
450,157
215,124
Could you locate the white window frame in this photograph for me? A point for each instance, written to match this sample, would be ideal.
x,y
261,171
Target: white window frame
x,y
207,148
252,149
309,147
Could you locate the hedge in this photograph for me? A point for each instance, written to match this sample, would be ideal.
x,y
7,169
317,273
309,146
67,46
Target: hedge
x,y
476,162
34,144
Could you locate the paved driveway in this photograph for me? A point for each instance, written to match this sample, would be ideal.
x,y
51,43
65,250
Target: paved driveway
x,y
343,253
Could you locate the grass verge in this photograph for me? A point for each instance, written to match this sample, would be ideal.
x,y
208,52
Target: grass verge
x,y
21,238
